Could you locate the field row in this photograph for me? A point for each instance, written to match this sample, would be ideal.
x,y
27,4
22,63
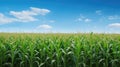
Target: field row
x,y
59,50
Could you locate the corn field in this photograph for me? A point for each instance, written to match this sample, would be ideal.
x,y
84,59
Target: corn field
x,y
59,50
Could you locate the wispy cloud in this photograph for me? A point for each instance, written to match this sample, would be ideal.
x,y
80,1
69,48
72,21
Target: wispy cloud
x,y
39,11
44,26
98,12
114,17
83,19
4,19
24,15
28,15
87,20
114,25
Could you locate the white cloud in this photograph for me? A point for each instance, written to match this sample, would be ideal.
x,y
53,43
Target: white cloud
x,y
4,19
99,12
115,17
44,26
87,20
23,16
39,11
114,25
28,15
83,19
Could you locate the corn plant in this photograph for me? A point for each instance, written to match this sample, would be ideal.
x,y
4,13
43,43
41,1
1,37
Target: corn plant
x,y
59,50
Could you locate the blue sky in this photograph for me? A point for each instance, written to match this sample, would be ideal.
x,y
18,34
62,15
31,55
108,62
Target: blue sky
x,y
100,16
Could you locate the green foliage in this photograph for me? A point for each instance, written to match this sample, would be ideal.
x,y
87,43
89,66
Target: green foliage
x,y
59,50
